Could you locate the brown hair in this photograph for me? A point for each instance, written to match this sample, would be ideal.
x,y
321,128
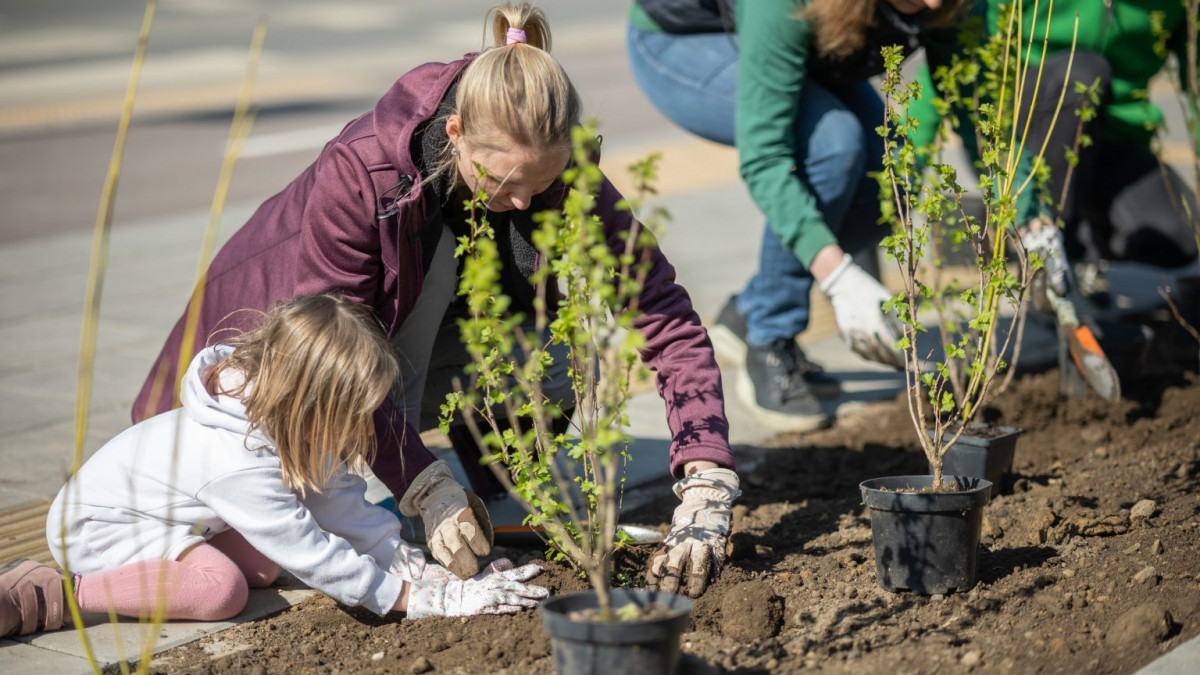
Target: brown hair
x,y
840,26
515,94
314,372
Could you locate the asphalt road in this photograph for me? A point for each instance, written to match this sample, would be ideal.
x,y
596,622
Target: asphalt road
x,y
64,67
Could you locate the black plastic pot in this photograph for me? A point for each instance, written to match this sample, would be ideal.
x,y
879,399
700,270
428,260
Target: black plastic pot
x,y
988,456
925,542
582,647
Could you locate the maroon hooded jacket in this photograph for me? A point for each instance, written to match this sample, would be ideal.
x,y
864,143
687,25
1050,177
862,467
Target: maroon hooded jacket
x,y
351,224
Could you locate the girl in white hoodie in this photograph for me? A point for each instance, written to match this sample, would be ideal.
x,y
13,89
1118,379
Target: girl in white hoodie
x,y
185,511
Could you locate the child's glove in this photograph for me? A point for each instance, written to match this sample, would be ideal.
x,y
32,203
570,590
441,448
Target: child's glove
x,y
409,563
498,589
857,301
695,546
457,527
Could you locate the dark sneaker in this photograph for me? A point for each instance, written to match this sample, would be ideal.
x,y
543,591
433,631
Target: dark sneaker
x,y
773,386
728,336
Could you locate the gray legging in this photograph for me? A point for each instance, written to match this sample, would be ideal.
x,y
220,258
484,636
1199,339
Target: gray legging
x,y
431,352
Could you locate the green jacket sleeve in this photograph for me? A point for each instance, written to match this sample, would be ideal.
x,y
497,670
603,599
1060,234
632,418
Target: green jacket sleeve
x,y
773,43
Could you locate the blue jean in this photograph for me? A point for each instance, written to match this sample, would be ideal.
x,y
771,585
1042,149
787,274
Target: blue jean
x,y
692,79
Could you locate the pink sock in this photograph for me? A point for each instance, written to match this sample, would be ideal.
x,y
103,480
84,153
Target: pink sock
x,y
204,585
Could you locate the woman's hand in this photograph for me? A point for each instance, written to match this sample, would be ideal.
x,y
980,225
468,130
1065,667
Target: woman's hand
x,y
694,550
456,522
857,300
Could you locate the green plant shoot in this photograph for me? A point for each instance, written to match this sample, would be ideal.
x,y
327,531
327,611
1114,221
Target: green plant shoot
x,y
586,301
980,315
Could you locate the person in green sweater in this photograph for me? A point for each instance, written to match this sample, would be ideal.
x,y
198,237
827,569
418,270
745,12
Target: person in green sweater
x,y
786,82
1120,203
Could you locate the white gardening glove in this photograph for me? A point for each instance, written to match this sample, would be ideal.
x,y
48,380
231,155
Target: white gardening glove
x,y
409,563
1044,242
457,528
858,308
498,589
695,547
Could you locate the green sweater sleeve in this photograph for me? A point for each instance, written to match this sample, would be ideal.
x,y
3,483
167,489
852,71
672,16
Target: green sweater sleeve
x,y
773,43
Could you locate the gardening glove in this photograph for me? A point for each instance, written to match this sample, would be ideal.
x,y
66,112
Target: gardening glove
x,y
1053,279
857,300
695,546
457,527
498,589
409,563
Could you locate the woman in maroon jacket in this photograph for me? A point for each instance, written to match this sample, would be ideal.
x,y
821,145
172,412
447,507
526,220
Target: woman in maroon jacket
x,y
374,219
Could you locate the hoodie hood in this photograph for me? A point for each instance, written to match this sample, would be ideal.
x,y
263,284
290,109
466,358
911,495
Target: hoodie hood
x,y
412,100
211,410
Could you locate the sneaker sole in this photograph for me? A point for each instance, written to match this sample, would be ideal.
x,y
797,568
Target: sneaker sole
x,y
776,421
826,391
729,348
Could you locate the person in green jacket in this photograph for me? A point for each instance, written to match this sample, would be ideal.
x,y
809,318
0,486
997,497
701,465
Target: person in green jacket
x,y
786,82
1120,203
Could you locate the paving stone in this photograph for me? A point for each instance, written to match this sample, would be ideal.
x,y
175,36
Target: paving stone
x,y
112,643
18,657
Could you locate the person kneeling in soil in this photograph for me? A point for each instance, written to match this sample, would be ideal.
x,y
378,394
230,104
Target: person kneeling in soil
x,y
185,511
376,217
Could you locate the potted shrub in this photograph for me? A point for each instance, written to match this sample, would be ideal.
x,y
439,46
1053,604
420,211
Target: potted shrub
x,y
569,483
926,528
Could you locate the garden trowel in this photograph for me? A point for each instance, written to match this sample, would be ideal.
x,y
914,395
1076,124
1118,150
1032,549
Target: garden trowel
x,y
1077,343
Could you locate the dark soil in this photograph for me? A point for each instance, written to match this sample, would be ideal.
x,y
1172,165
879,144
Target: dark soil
x,y
1092,564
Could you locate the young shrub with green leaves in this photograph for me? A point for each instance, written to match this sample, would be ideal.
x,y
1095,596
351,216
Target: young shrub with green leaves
x,y
980,314
585,300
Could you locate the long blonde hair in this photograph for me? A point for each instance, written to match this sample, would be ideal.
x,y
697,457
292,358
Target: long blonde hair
x,y
515,94
314,372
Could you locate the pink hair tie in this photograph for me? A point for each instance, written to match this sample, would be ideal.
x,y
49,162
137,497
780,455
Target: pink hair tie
x,y
515,35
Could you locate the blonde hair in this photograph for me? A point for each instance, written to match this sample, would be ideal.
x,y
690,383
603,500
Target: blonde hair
x,y
314,372
840,26
516,94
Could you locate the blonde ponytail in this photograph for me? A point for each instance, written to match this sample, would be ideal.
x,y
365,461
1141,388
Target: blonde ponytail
x,y
523,17
515,93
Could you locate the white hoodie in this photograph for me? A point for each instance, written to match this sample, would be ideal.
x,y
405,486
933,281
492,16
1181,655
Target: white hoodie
x,y
181,477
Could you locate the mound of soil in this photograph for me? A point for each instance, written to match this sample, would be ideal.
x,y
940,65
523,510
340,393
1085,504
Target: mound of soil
x,y
1092,564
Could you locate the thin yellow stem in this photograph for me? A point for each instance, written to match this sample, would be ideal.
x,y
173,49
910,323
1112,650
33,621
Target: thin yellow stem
x,y
1014,18
243,121
239,130
98,266
1057,108
1037,82
1022,75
